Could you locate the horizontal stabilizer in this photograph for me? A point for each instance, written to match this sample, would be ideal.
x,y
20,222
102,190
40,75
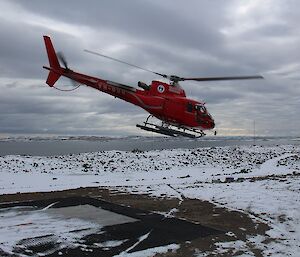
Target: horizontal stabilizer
x,y
52,78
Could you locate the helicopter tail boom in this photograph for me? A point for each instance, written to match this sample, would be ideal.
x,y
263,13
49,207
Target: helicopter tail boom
x,y
55,69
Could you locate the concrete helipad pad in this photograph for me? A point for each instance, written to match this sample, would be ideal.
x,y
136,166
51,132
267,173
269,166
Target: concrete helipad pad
x,y
91,214
87,227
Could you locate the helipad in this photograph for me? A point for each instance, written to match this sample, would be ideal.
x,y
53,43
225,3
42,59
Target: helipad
x,y
87,226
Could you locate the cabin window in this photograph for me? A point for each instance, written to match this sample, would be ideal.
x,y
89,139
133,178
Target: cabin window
x,y
143,85
189,107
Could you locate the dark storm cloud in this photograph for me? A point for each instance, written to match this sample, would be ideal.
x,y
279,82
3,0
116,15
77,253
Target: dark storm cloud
x,y
22,51
17,50
195,38
37,112
142,19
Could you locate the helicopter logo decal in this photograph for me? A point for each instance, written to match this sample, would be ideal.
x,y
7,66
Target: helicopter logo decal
x,y
161,89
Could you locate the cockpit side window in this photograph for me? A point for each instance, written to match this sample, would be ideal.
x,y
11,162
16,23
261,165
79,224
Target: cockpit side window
x,y
200,108
189,107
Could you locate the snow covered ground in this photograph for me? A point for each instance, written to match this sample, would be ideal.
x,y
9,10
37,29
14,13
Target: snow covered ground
x,y
263,182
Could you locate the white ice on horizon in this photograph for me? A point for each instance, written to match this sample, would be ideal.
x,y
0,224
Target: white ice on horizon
x,y
192,173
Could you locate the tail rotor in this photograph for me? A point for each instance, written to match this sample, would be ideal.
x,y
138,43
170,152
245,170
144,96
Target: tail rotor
x,y
61,57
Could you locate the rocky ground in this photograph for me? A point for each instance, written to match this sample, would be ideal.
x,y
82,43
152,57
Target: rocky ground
x,y
251,192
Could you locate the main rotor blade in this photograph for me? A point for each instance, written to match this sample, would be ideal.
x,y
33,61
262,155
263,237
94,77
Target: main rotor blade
x,y
223,78
117,60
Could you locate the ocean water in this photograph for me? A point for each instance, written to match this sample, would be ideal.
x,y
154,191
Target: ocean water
x,y
37,146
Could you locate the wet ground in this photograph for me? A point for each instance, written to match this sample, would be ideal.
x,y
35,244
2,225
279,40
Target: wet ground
x,y
130,223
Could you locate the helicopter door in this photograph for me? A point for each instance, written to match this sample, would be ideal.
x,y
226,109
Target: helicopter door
x,y
172,110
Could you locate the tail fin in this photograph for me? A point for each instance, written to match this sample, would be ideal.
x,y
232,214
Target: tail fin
x,y
53,61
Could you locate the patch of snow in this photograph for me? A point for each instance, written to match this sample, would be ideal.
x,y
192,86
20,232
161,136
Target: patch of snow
x,y
19,225
141,239
234,247
109,244
151,251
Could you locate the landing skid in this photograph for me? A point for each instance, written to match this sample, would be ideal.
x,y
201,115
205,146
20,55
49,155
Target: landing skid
x,y
166,129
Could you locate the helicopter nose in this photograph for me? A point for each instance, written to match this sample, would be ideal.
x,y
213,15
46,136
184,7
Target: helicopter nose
x,y
210,123
206,121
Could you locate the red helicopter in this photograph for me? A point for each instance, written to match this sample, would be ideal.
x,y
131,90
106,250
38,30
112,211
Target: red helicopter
x,y
179,115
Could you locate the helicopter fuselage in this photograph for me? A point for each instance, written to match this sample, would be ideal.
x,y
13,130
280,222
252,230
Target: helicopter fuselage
x,y
167,102
164,101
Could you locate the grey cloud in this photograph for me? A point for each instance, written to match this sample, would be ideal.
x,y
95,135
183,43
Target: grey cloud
x,y
142,19
171,37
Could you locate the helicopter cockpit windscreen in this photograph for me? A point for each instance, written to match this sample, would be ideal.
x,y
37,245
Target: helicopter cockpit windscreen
x,y
200,109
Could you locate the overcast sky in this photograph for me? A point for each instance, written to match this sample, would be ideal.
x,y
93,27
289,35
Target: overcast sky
x,y
187,38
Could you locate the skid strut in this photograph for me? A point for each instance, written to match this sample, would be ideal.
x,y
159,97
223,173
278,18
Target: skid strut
x,y
166,129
